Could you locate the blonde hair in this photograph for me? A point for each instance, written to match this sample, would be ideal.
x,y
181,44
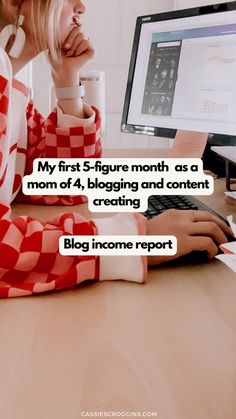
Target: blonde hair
x,y
45,17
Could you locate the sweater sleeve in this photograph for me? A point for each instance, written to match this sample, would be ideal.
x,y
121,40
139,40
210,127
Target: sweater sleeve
x,y
60,136
25,137
30,262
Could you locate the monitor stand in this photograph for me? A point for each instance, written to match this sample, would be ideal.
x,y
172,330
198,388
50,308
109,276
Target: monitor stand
x,y
188,144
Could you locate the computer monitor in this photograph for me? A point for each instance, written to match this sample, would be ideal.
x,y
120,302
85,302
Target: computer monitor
x,y
183,73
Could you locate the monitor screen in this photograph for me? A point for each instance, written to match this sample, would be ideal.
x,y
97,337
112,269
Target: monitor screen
x,y
183,73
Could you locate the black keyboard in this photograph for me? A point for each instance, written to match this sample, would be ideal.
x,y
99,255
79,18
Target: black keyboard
x,y
158,204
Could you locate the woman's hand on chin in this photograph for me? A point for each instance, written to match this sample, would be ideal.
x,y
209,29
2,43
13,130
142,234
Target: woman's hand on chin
x,y
76,52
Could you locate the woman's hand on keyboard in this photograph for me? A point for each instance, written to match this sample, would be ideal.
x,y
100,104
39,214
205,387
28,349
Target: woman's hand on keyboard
x,y
194,230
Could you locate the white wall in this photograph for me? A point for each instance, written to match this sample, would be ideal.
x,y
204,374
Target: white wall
x,y
110,25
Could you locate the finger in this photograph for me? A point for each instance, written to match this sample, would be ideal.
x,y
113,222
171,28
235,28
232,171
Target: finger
x,y
71,38
84,46
79,40
204,244
210,229
207,216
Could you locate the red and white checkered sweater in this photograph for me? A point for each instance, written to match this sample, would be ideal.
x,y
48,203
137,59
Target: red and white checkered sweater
x,y
30,262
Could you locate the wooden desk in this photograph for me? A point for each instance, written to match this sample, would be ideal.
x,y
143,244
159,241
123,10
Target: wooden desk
x,y
167,346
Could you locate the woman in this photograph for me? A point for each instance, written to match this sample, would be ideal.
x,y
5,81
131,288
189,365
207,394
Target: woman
x,y
29,259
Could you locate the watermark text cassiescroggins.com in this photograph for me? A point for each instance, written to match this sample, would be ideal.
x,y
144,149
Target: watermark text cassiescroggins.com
x,y
119,414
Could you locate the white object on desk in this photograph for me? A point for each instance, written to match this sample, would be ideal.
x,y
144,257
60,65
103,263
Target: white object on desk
x,y
232,225
228,152
228,260
229,249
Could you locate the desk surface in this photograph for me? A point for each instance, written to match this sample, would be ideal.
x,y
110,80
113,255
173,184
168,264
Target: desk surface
x,y
167,346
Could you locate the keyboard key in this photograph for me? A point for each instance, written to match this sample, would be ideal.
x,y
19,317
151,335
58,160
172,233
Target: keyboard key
x,y
157,204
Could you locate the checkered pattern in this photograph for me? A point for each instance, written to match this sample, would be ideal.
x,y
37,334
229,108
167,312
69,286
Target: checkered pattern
x,y
4,103
30,262
46,139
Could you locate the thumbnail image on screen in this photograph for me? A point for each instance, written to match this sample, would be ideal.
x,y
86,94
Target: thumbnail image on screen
x,y
161,78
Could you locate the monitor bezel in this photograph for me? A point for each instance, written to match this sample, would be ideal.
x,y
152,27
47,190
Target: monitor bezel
x,y
146,19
